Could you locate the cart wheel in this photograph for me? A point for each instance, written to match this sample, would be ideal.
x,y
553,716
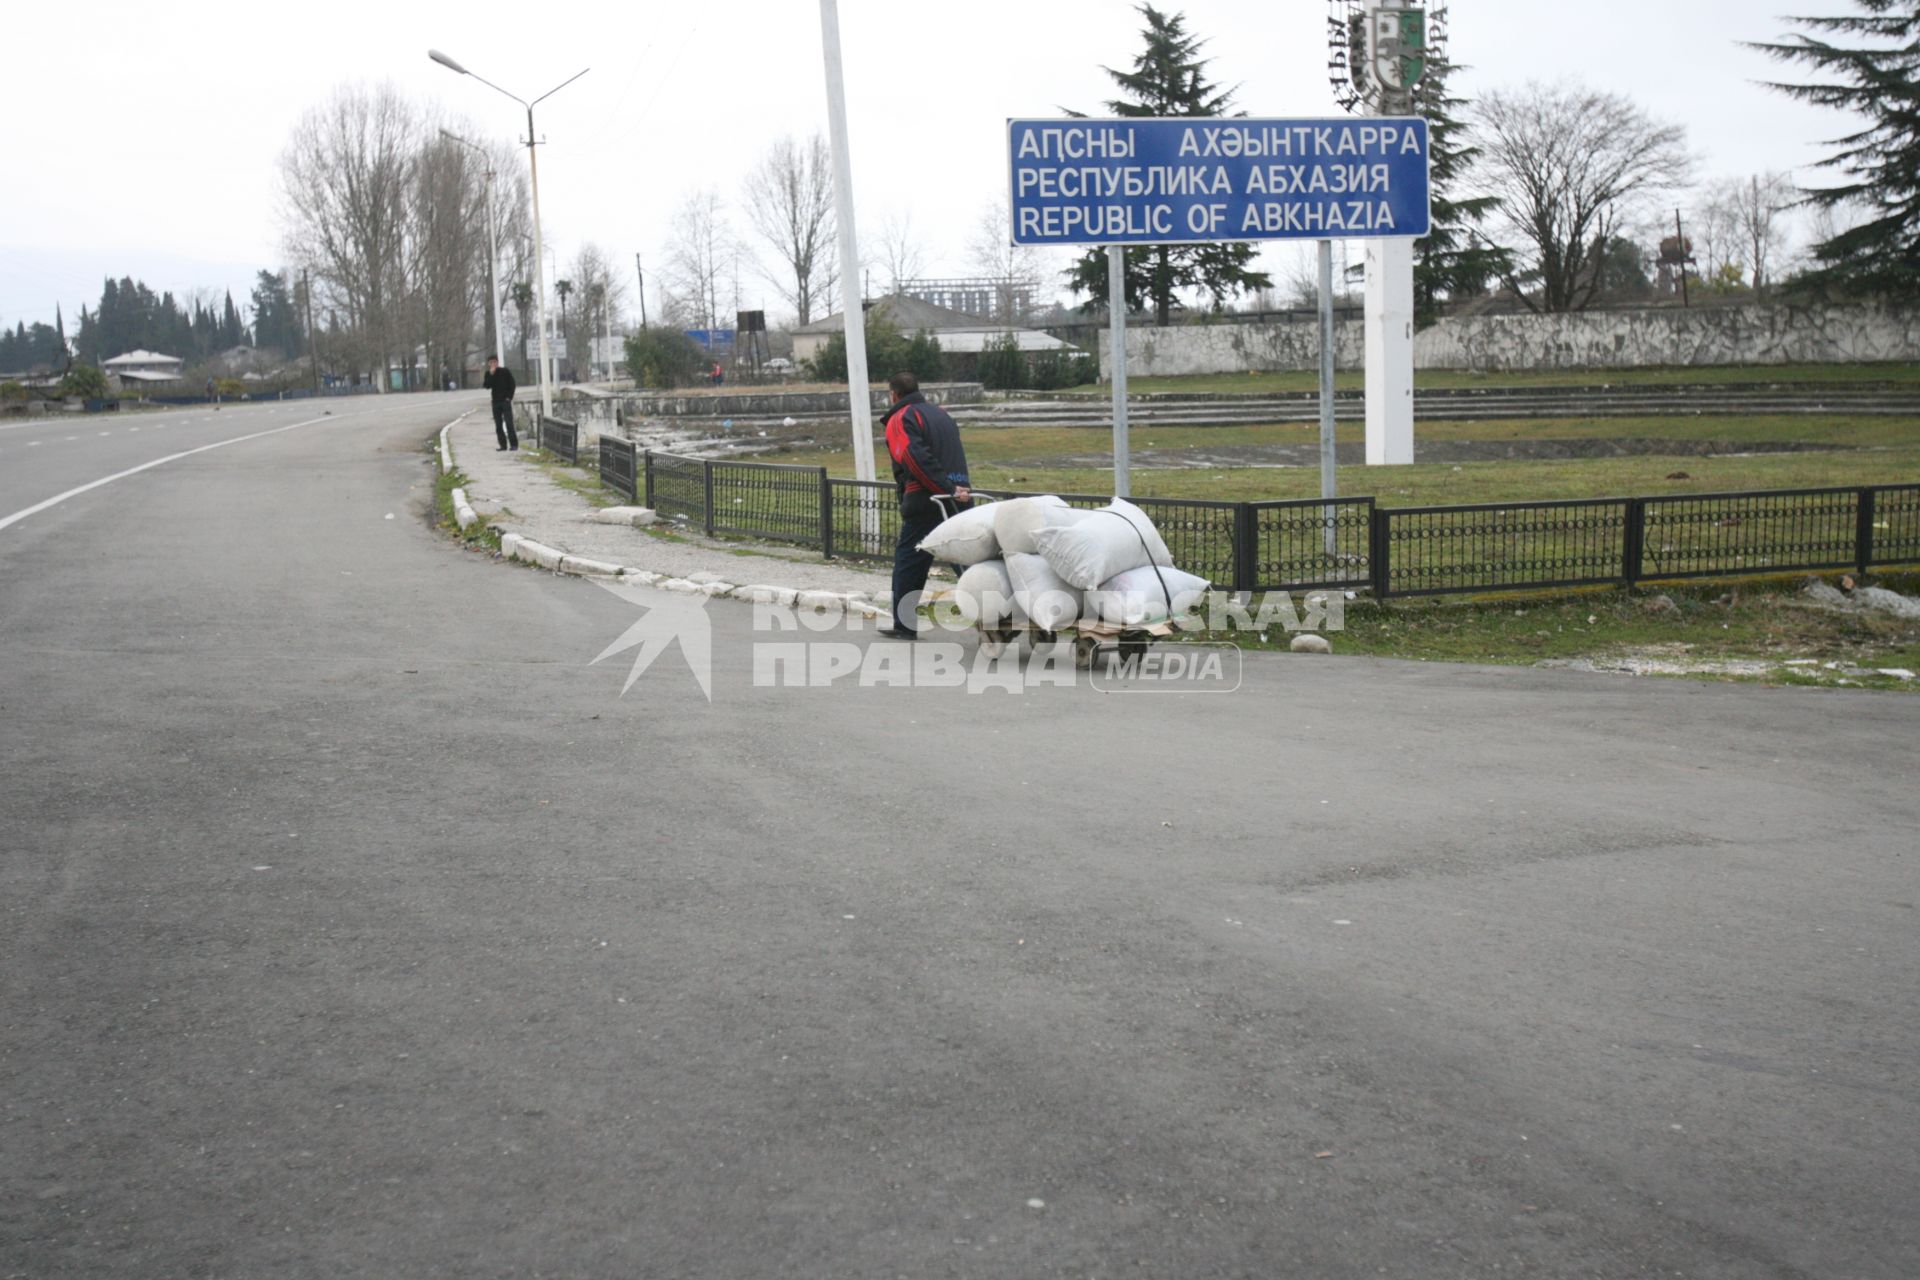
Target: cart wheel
x,y
991,644
1130,649
1084,649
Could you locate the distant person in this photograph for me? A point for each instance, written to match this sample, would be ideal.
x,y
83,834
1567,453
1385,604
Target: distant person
x,y
213,393
928,463
719,374
499,381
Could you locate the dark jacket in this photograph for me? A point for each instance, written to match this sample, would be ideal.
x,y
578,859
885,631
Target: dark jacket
x,y
500,382
925,444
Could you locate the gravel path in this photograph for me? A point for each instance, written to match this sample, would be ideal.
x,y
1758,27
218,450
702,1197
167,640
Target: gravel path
x,y
520,496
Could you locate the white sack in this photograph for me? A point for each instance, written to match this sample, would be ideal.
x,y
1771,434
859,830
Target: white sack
x,y
1016,520
1042,594
966,538
1141,595
984,595
1110,541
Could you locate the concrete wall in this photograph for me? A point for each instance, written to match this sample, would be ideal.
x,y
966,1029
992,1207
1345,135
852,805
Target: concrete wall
x,y
1759,335
761,403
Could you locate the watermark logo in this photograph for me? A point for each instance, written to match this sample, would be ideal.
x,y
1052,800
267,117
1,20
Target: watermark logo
x,y
669,619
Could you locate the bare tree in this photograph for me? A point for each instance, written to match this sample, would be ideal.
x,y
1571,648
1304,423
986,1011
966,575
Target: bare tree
x,y
601,295
1570,165
789,203
1762,200
344,189
700,261
896,252
1014,268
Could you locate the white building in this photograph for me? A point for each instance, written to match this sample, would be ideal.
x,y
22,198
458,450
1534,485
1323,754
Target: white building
x,y
144,368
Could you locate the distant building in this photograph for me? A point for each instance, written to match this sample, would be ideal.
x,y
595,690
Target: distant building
x,y
960,334
144,369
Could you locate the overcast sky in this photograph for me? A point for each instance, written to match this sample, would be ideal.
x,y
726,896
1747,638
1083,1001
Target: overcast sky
x,y
147,145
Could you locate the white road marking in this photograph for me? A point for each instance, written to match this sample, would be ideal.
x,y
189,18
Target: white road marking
x,y
59,498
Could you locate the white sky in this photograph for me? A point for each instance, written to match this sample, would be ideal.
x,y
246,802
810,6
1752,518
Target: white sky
x,y
147,145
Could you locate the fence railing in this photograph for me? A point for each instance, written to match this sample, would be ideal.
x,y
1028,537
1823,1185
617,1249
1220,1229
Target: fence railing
x,y
1341,543
560,437
620,467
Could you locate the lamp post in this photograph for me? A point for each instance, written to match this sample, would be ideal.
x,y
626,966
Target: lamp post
x,y
533,168
493,246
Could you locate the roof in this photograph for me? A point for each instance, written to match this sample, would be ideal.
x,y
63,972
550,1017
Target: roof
x,y
145,375
141,357
909,315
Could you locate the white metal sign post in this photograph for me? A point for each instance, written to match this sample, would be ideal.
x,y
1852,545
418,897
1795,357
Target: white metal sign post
x,y
859,388
1155,180
1117,358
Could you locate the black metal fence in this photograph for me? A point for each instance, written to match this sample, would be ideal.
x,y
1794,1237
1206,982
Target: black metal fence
x,y
620,467
1306,543
560,437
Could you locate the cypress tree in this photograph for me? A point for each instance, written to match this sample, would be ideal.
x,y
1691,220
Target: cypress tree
x,y
1448,263
1875,74
1169,79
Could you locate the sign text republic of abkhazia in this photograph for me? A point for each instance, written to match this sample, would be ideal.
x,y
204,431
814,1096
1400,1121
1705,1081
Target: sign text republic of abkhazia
x,y
1183,181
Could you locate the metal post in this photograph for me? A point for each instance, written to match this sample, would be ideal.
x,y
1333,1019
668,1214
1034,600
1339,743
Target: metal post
x,y
1117,357
493,278
859,393
641,273
1329,476
826,515
1863,533
313,335
539,270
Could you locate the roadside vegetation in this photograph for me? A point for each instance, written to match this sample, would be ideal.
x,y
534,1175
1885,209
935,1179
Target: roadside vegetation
x,y
1764,630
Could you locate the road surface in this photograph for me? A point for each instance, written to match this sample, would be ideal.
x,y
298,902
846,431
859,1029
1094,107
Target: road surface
x,y
353,923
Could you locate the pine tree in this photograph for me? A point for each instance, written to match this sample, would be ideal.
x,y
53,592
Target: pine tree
x,y
1169,79
1447,262
1878,78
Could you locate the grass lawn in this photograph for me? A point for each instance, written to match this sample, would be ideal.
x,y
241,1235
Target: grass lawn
x,y
1706,624
1884,451
1448,379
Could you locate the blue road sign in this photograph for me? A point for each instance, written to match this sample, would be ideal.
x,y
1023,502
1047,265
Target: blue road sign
x,y
1198,181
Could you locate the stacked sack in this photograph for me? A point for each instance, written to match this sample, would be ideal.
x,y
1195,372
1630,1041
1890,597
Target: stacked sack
x,y
1041,561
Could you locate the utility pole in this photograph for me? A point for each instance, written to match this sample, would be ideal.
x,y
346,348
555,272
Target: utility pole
x,y
641,272
1680,243
313,335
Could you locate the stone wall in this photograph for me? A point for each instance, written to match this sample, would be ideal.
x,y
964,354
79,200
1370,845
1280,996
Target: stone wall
x,y
1758,335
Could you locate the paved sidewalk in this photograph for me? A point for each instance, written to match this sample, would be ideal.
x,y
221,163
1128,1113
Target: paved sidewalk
x,y
518,495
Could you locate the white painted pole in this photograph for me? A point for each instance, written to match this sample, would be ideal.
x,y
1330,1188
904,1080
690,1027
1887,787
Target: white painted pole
x,y
539,276
859,386
493,274
1389,352
1329,475
1117,357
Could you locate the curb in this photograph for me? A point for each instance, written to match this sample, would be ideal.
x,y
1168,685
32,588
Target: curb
x,y
514,546
857,604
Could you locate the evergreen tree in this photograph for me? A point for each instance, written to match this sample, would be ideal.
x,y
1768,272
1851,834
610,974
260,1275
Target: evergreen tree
x,y
1169,79
1448,262
1877,76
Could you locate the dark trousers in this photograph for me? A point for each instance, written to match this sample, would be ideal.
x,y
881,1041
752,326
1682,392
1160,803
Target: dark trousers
x,y
503,424
919,516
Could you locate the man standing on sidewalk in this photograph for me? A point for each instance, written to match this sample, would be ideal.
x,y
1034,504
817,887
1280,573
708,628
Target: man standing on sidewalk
x,y
928,462
499,380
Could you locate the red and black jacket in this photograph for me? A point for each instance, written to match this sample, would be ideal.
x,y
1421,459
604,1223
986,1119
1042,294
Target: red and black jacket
x,y
925,445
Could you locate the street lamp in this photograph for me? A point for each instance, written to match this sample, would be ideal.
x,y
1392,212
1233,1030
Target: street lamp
x,y
533,167
493,243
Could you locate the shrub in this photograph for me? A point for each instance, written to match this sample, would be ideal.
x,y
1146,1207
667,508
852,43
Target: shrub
x,y
662,359
84,382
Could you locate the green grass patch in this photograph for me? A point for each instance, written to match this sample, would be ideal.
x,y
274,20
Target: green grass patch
x,y
1456,379
482,535
1869,450
1768,621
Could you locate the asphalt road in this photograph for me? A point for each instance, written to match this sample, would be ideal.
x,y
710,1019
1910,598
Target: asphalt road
x,y
353,924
